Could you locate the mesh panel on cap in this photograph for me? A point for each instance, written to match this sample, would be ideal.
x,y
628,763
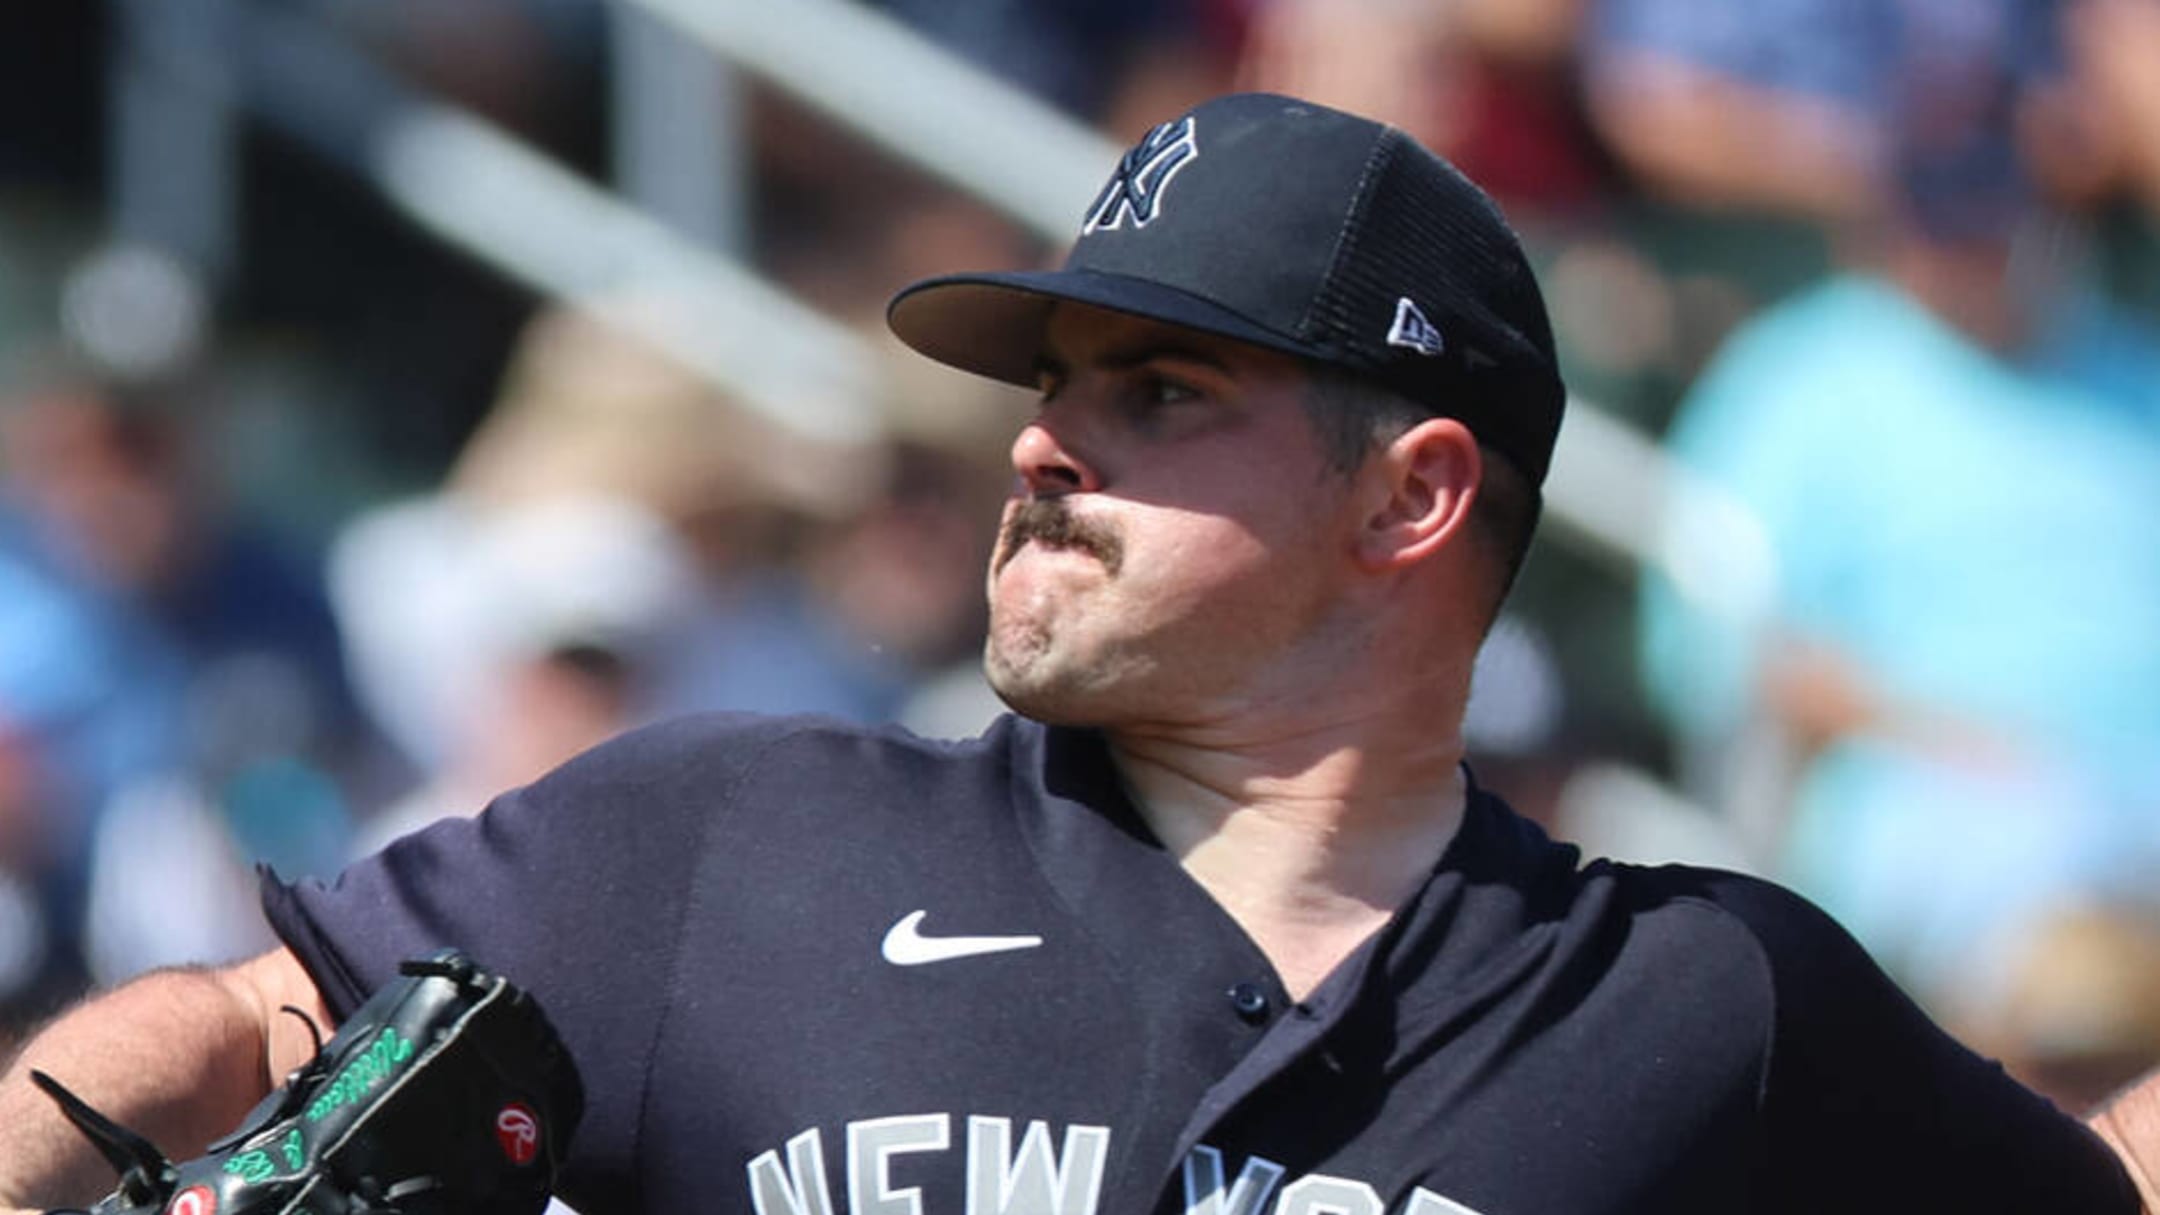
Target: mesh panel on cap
x,y
1425,233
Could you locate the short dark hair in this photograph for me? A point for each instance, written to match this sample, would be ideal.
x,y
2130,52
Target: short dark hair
x,y
1353,416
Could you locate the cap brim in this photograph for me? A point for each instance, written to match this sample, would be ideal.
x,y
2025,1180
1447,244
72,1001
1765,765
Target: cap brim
x,y
992,324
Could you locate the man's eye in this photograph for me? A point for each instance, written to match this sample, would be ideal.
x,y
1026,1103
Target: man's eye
x,y
1169,392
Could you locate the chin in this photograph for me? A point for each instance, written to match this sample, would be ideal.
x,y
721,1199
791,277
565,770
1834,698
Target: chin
x,y
1023,693
1035,689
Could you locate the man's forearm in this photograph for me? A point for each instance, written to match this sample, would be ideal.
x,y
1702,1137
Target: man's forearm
x,y
2131,1125
179,1056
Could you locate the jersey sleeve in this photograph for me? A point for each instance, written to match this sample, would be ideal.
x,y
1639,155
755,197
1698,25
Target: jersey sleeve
x,y
573,888
1869,1106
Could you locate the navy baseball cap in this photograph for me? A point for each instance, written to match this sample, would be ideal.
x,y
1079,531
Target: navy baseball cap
x,y
1298,228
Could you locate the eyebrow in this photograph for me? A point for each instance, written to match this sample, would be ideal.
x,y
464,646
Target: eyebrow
x,y
1138,354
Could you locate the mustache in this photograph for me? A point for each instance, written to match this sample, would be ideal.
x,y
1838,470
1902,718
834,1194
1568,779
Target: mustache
x,y
1055,525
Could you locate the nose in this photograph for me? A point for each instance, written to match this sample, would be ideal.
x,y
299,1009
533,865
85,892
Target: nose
x,y
1048,465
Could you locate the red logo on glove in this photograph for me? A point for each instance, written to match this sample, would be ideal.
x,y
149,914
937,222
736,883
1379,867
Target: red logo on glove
x,y
194,1200
517,1129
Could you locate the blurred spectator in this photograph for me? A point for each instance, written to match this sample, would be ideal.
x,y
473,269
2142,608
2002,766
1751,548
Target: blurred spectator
x,y
1488,83
2071,1004
1072,53
65,738
621,540
495,642
162,645
1952,449
585,409
2097,131
1798,106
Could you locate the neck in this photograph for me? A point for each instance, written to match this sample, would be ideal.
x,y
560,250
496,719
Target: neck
x,y
1967,289
1309,840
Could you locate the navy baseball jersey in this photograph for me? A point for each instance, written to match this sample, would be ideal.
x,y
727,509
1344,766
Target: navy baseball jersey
x,y
809,969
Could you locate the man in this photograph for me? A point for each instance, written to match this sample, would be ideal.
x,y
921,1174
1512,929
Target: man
x,y
1222,924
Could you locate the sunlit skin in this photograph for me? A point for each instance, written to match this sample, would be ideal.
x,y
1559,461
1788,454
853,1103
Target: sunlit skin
x,y
1275,649
1193,456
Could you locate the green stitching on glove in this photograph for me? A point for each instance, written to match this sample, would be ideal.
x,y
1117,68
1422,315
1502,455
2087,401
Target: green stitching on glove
x,y
367,1071
251,1167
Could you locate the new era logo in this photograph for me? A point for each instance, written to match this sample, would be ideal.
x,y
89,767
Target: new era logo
x,y
1412,331
1136,189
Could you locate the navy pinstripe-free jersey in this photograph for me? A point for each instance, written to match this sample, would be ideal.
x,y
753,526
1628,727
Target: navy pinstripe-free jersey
x,y
818,970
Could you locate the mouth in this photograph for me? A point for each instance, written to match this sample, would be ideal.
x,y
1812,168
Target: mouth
x,y
1051,524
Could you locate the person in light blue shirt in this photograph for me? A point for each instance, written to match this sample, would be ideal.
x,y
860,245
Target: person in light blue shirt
x,y
1956,466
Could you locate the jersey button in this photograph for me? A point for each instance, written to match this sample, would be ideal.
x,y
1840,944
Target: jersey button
x,y
1249,1000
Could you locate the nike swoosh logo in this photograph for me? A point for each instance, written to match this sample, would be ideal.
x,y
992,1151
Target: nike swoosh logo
x,y
905,945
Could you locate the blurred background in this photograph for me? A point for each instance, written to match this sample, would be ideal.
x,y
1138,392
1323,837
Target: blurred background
x,y
397,396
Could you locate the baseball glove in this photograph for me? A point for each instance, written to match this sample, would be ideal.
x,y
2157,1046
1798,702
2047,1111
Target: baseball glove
x,y
447,1093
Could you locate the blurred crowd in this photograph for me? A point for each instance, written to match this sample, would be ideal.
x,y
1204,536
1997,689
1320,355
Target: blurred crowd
x,y
348,537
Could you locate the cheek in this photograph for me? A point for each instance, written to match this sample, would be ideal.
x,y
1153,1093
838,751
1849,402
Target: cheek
x,y
1211,555
1275,575
1210,567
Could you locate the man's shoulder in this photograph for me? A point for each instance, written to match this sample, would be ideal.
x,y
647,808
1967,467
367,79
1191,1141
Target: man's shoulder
x,y
1699,906
1679,906
706,767
706,742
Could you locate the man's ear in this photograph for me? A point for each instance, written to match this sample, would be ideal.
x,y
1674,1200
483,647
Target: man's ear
x,y
1422,485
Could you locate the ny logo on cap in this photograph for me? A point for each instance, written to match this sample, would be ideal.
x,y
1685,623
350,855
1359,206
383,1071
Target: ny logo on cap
x,y
1413,331
1136,188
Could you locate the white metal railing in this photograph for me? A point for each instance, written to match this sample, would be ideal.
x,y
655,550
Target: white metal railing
x,y
912,97
568,239
1613,490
